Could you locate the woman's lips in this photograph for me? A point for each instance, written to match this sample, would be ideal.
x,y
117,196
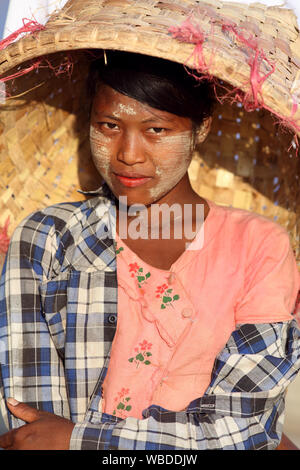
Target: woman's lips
x,y
132,182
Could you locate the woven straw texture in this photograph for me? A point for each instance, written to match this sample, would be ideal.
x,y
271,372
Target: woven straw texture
x,y
249,160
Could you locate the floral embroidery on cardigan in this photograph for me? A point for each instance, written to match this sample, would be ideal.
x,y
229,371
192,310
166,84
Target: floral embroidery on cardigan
x,y
165,294
143,352
138,272
122,408
119,249
163,291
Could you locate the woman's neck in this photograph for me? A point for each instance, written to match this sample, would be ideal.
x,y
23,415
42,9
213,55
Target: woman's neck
x,y
181,211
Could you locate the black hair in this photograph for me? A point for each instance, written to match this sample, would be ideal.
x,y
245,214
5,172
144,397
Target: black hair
x,y
159,83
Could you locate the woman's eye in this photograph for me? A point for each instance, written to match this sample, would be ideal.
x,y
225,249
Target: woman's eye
x,y
157,130
108,125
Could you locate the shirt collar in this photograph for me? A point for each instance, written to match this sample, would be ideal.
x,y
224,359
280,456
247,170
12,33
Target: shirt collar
x,y
95,244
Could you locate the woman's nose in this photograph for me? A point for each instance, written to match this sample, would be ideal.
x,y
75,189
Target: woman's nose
x,y
130,149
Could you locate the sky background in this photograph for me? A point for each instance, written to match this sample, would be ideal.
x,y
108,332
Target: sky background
x,y
13,11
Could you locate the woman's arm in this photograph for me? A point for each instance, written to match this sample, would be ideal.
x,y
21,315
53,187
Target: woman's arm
x,y
244,404
248,417
30,367
241,409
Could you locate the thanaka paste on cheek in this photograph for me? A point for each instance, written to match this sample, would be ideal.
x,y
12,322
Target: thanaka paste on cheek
x,y
100,153
172,168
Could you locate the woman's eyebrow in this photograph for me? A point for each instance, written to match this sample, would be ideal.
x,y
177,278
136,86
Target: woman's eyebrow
x,y
145,121
107,116
158,118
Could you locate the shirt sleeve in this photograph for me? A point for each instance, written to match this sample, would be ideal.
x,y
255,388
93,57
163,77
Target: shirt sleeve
x,y
30,368
271,278
242,408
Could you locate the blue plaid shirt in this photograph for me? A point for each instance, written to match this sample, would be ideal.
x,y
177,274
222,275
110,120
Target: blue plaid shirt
x,y
58,315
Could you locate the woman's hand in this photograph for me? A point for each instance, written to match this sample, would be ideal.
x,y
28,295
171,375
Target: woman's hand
x,y
44,431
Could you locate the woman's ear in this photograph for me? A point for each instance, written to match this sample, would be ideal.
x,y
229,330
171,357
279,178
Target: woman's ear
x,y
203,131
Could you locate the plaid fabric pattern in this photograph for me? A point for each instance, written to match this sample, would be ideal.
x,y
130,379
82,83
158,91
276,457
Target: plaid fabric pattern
x,y
58,315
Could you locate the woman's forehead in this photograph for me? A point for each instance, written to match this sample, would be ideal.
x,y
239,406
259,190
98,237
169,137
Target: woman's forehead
x,y
110,101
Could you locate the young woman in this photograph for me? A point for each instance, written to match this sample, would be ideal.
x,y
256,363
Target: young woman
x,y
112,338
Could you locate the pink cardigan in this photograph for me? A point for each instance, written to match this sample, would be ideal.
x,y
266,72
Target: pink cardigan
x,y
172,324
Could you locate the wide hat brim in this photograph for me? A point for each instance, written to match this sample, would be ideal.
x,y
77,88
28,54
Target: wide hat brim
x,y
252,50
237,43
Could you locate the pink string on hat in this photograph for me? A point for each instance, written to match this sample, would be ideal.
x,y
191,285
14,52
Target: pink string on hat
x,y
191,32
4,238
29,26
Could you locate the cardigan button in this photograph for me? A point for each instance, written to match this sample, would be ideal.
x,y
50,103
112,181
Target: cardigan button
x,y
112,319
171,278
187,312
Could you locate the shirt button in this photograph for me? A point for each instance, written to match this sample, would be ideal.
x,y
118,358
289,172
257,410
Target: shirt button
x,y
187,312
171,278
112,319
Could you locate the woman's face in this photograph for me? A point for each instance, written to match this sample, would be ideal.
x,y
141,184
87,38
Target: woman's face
x,y
141,152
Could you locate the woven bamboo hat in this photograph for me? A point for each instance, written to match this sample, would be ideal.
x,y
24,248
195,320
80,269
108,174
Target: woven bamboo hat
x,y
251,52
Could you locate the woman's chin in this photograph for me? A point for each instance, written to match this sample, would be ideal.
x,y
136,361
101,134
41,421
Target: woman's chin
x,y
131,200
132,196
145,194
